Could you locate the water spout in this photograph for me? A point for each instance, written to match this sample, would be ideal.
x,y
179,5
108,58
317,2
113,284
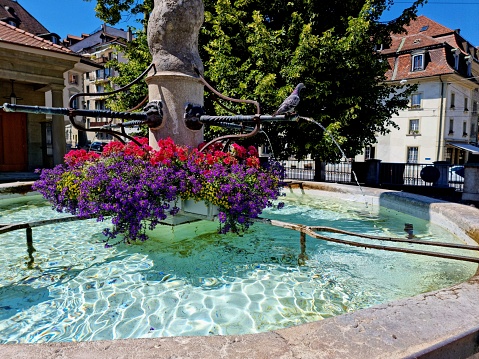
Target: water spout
x,y
340,150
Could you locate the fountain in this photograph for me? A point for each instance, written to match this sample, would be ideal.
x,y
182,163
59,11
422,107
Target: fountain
x,y
122,291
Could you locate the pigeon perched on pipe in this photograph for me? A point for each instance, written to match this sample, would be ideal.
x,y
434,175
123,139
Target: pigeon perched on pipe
x,y
289,104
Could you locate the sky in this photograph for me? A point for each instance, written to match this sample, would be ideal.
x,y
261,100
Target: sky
x,y
454,14
77,16
69,17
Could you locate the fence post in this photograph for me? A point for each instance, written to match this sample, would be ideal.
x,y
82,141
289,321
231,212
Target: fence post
x,y
443,168
470,191
319,171
372,176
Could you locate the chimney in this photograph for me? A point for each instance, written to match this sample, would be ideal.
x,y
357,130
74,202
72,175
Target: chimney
x,y
129,35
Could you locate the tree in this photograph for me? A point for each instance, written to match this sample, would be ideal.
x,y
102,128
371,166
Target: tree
x,y
112,11
260,50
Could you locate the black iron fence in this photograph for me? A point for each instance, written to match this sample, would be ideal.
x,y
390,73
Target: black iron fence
x,y
300,170
390,174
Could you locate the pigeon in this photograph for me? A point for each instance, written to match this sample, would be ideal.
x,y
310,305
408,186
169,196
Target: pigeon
x,y
290,102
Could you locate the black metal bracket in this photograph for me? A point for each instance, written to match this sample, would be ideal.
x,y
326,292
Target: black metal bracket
x,y
152,114
120,134
195,117
192,116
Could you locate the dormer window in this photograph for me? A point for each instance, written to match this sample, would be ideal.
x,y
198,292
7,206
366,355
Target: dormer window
x,y
456,53
469,64
418,61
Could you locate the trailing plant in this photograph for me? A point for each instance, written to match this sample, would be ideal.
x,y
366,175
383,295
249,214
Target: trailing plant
x,y
138,186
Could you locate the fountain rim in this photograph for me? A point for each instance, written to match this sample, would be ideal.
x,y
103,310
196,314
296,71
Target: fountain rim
x,y
434,323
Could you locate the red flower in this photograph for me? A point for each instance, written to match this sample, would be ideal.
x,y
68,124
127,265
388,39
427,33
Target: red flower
x,y
252,162
79,156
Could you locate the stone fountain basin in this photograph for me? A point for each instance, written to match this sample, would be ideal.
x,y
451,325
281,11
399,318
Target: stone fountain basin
x,y
439,324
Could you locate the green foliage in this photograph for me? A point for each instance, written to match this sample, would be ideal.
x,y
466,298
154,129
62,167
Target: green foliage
x,y
112,11
256,49
139,58
261,50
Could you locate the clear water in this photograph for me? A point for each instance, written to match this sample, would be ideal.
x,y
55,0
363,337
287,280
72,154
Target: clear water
x,y
191,281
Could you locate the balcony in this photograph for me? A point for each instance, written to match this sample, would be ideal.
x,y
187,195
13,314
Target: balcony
x,y
100,60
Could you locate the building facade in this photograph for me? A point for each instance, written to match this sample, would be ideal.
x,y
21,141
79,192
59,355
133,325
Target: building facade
x,y
33,66
441,123
101,47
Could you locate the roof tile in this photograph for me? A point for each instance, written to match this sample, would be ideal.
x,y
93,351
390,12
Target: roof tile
x,y
14,35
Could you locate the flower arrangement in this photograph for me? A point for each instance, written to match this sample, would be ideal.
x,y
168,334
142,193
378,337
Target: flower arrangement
x,y
138,186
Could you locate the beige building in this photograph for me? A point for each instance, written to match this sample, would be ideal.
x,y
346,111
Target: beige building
x,y
441,123
33,68
100,48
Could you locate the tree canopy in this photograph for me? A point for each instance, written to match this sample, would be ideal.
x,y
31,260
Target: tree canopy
x,y
260,50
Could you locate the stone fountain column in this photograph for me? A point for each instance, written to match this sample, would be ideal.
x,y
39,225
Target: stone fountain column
x,y
173,30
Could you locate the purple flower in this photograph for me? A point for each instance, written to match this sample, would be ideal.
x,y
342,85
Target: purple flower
x,y
137,193
222,217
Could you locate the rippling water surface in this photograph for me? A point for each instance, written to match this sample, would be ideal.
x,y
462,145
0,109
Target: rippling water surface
x,y
189,280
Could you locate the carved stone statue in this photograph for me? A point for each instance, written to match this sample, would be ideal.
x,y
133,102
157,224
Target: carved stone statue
x,y
173,30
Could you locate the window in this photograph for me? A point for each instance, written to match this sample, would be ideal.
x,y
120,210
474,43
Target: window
x,y
412,154
100,74
469,64
453,100
107,72
416,100
48,138
100,89
451,126
414,126
418,62
73,78
474,107
100,105
466,104
448,157
464,128
74,102
456,53
369,152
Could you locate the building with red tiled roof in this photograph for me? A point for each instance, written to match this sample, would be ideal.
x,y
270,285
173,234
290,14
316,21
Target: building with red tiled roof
x,y
14,14
13,35
34,70
441,123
